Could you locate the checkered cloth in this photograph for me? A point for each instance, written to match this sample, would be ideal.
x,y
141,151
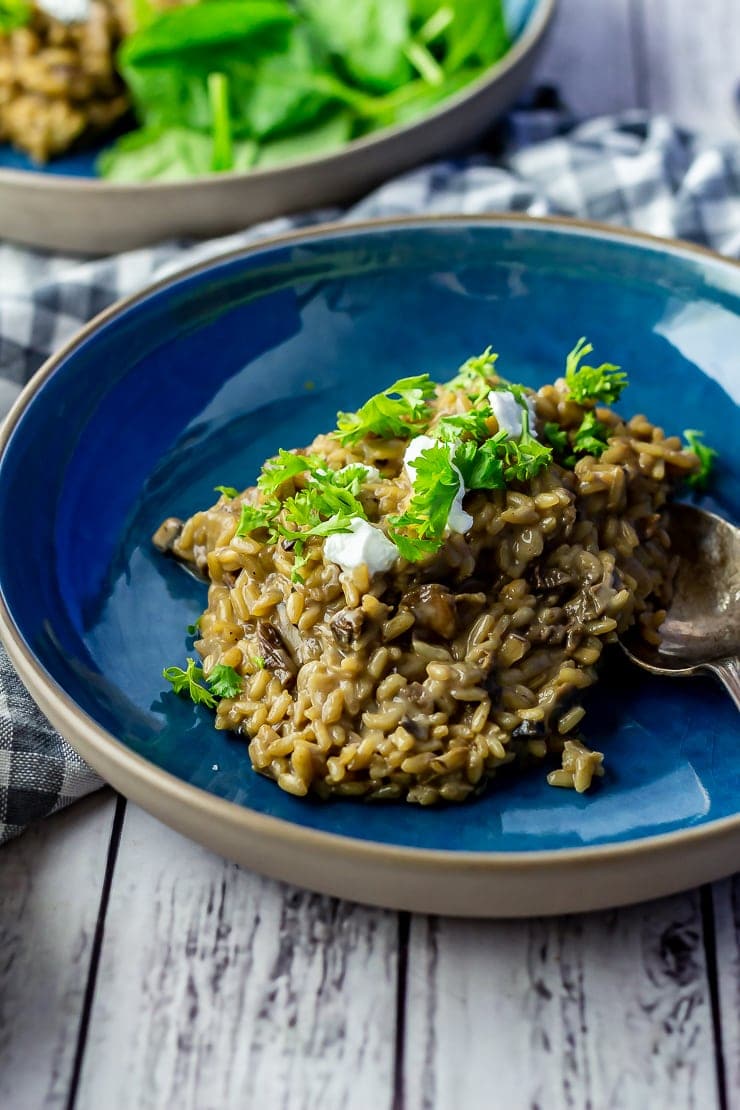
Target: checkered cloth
x,y
633,170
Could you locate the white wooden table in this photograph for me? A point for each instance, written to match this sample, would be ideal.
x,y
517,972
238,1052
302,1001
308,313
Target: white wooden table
x,y
137,970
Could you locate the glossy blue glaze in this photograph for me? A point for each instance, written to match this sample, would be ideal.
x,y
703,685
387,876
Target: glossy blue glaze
x,y
195,385
82,164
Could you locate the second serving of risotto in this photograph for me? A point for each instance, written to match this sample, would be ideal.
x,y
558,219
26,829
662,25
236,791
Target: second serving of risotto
x,y
421,596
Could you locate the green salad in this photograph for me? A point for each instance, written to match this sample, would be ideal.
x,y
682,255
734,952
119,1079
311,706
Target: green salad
x,y
236,84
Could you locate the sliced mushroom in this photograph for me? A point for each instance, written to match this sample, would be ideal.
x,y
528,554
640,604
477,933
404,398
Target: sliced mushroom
x,y
418,695
433,607
528,730
289,634
592,601
200,559
553,634
167,534
417,726
347,625
551,578
275,655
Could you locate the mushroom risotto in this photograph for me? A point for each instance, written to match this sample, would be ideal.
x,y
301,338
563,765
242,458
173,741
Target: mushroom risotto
x,y
422,595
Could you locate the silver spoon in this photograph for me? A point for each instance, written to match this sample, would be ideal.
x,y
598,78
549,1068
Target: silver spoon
x,y
701,631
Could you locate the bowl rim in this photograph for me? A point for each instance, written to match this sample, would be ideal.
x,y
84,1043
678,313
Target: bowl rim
x,y
529,38
99,747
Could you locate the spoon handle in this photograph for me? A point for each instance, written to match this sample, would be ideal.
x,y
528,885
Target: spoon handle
x,y
728,672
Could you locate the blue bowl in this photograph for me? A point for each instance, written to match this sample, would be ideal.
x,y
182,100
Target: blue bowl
x,y
194,383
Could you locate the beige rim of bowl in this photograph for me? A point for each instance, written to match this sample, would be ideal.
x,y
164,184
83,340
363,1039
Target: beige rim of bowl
x,y
474,884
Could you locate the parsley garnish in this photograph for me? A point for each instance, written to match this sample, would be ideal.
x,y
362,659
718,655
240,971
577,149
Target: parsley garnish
x,y
224,681
13,14
591,437
229,492
256,516
525,457
482,461
556,436
349,477
328,502
188,682
283,467
474,376
419,530
592,383
464,425
399,411
259,662
481,466
194,628
706,456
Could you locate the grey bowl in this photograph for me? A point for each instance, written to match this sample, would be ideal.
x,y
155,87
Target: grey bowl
x,y
96,216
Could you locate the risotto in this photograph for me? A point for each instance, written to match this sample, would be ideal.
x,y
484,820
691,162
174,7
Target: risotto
x,y
58,82
422,596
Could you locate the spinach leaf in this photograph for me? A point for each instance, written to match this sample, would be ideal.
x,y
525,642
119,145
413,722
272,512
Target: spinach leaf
x,y
471,33
166,64
288,92
223,84
416,99
186,34
367,38
330,133
167,154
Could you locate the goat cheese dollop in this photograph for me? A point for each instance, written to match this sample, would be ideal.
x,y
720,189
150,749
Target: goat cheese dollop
x,y
457,520
509,412
67,11
366,543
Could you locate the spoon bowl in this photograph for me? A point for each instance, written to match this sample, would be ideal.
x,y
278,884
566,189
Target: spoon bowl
x,y
701,631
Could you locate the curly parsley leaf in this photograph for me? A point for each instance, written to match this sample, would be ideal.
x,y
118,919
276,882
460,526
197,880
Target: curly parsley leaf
x,y
603,383
524,457
419,530
189,683
225,682
556,436
253,517
472,425
706,456
481,466
591,438
194,628
350,477
283,467
326,504
14,14
229,492
475,374
399,411
259,662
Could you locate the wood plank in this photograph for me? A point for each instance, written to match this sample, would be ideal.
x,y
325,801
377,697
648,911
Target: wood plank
x,y
590,58
602,1010
50,885
726,897
218,988
688,62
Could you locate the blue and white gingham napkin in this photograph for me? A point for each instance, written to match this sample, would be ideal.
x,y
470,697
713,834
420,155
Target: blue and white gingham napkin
x,y
634,170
